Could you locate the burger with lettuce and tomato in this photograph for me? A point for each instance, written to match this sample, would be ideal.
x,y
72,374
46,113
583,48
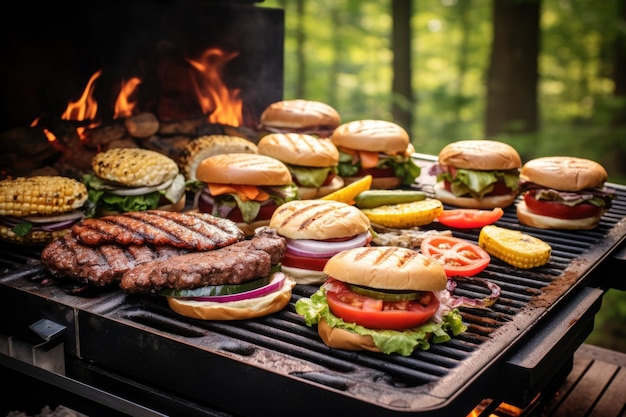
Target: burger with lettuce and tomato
x,y
382,299
477,174
378,148
244,187
563,192
315,230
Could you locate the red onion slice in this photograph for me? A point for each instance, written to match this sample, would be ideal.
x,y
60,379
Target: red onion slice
x,y
278,278
325,249
72,215
458,301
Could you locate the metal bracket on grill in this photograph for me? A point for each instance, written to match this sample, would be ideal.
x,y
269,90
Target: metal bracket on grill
x,y
44,349
550,349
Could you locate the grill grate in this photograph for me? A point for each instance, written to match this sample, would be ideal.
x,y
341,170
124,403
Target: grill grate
x,y
166,349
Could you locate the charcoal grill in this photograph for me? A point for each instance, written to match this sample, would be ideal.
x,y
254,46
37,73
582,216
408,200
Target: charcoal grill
x,y
132,355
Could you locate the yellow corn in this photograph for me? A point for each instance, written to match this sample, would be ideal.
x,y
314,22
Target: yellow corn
x,y
134,167
37,237
201,148
405,215
40,195
514,247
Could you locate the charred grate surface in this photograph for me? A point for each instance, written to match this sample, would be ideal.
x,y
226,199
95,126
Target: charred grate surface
x,y
426,377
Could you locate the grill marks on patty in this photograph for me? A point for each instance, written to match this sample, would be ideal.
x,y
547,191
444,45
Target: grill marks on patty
x,y
99,265
193,231
234,264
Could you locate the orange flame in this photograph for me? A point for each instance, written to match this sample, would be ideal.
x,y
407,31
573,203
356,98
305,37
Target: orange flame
x,y
86,107
222,105
124,107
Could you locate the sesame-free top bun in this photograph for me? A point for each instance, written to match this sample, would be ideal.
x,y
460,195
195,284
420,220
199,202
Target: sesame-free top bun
x,y
299,114
299,149
564,173
483,155
244,169
387,267
318,219
372,135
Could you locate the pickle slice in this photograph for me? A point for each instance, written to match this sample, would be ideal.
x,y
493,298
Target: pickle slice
x,y
377,198
213,290
385,295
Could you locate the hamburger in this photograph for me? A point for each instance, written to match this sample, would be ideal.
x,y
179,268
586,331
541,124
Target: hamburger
x,y
563,192
238,281
315,230
244,187
378,148
299,116
382,299
36,210
312,161
477,174
134,179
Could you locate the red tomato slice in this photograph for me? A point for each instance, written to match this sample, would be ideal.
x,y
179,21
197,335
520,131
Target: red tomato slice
x,y
458,256
303,262
377,314
469,218
558,210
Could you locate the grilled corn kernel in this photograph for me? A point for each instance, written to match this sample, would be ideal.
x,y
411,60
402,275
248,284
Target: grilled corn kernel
x,y
40,195
404,215
37,237
134,167
514,247
201,148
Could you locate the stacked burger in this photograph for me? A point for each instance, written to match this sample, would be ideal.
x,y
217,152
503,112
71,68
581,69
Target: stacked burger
x,y
300,116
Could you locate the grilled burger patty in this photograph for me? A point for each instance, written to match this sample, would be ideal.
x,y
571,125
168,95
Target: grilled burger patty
x,y
193,231
234,264
99,265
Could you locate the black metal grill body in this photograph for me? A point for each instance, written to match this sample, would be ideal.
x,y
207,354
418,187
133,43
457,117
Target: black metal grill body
x,y
136,345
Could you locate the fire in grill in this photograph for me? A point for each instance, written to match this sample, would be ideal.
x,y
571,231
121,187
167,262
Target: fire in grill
x,y
279,364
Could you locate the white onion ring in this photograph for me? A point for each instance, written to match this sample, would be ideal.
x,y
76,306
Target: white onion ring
x,y
141,190
72,215
325,249
278,278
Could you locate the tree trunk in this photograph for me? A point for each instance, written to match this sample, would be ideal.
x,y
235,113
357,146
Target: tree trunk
x,y
619,68
402,90
513,71
300,39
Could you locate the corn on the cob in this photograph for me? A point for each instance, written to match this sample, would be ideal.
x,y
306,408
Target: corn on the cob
x,y
134,167
201,148
404,215
36,237
514,247
40,195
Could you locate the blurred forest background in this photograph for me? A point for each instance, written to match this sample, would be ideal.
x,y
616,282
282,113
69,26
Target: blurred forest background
x,y
546,76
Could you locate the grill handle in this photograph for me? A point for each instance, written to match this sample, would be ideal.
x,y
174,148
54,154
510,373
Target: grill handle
x,y
549,349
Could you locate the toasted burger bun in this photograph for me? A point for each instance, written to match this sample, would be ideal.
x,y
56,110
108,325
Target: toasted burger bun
x,y
318,219
343,339
564,173
234,310
134,167
488,202
546,222
204,146
299,149
481,155
372,135
309,193
387,267
305,116
243,169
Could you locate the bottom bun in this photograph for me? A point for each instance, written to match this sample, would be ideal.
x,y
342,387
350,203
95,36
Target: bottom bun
x,y
528,218
378,183
305,276
249,228
234,310
491,202
309,193
344,339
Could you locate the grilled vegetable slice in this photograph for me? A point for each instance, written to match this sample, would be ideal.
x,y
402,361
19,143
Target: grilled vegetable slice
x,y
377,198
40,196
348,193
514,247
417,213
